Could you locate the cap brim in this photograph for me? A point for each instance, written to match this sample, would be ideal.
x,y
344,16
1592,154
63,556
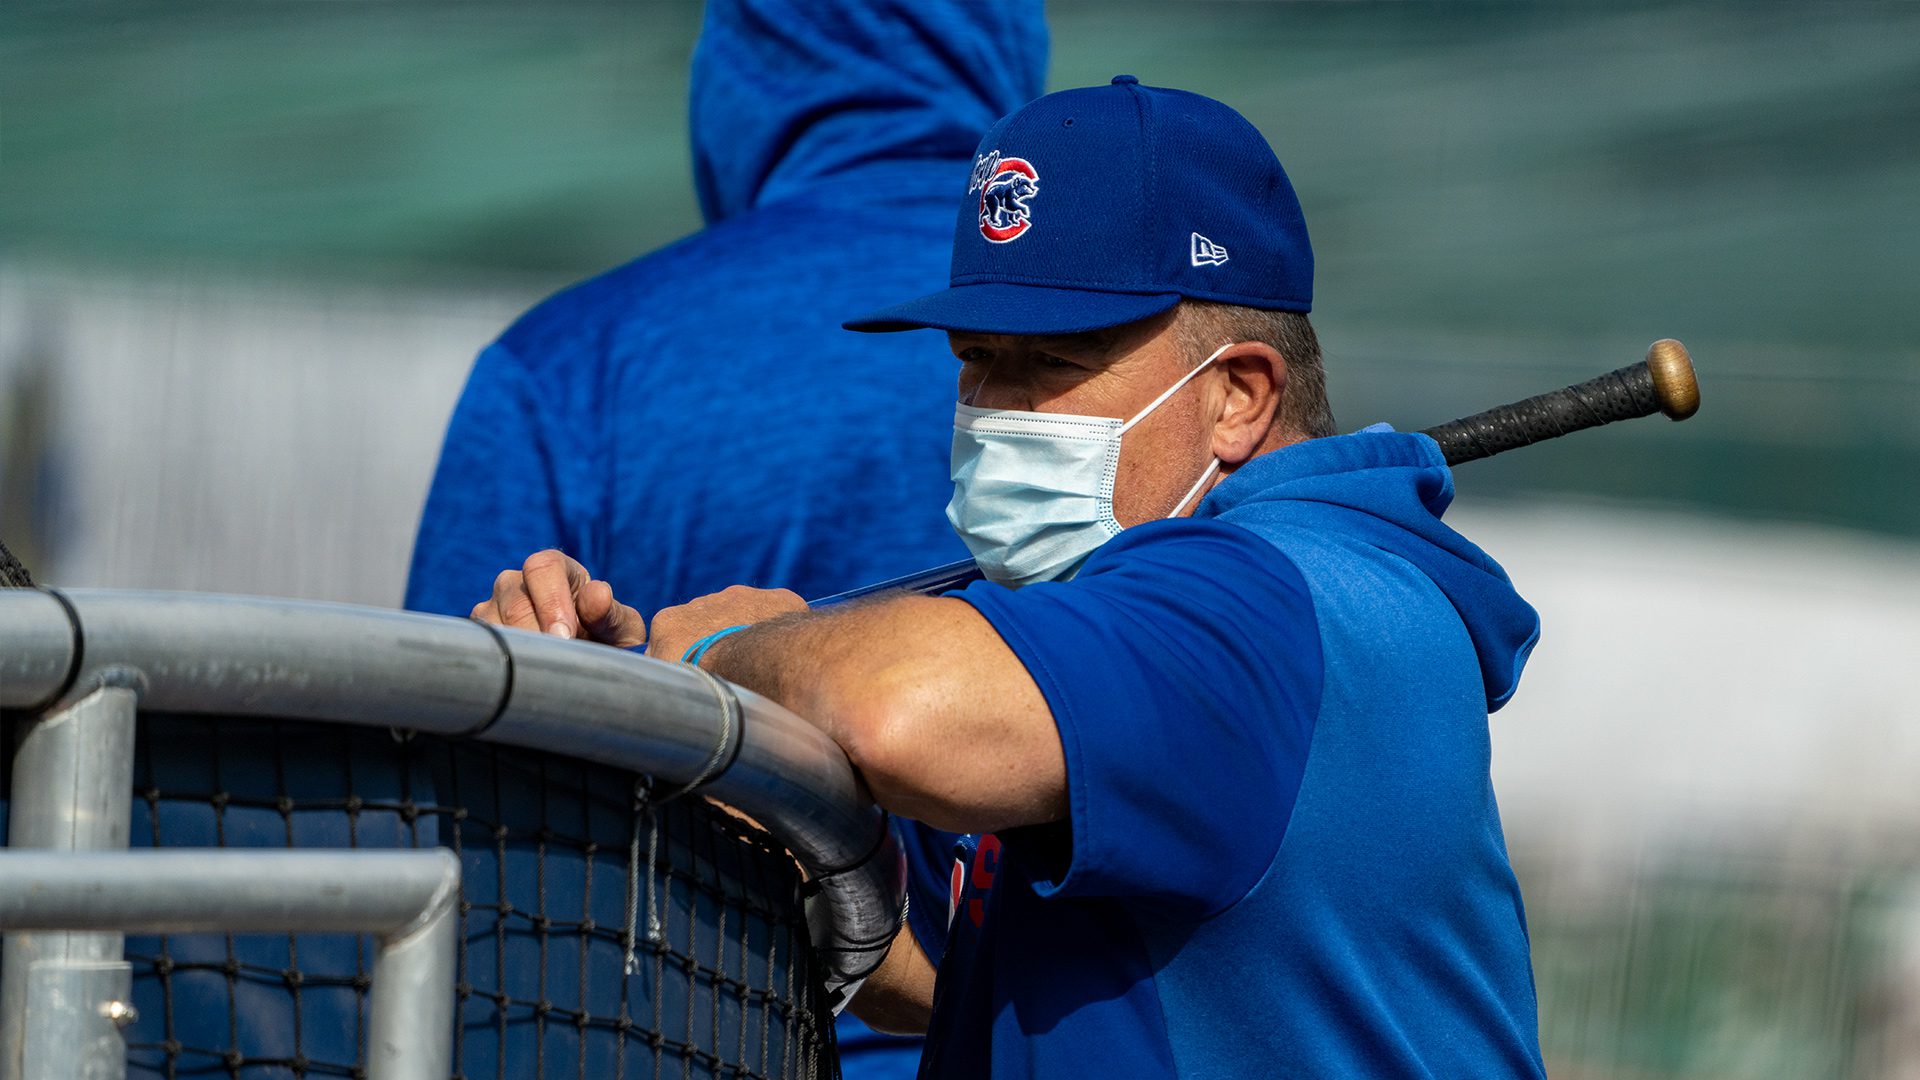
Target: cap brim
x,y
1030,310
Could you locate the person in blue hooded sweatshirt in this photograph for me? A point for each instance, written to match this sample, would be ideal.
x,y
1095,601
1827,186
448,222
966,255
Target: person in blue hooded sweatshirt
x,y
697,417
1216,724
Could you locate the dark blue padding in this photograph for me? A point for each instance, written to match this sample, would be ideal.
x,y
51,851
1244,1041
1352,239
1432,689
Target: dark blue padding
x,y
543,845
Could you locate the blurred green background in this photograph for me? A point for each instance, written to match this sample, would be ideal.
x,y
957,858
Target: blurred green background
x,y
1501,194
1504,198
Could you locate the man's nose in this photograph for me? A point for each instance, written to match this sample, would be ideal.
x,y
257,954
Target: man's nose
x,y
998,396
994,390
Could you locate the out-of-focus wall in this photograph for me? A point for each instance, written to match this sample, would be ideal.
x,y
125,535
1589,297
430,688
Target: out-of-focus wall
x,y
1708,783
271,437
1709,676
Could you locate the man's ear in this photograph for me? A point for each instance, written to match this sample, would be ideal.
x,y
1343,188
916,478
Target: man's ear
x,y
1249,417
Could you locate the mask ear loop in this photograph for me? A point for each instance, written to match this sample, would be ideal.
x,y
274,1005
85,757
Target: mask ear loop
x,y
1174,389
1212,467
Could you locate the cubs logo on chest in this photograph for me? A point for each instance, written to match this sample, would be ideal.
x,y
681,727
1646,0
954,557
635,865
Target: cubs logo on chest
x,y
975,866
1006,185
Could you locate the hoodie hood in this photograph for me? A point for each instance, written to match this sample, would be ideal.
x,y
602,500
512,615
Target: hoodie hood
x,y
788,92
1387,490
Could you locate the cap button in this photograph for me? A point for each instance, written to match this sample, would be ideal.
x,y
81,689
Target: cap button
x,y
1126,80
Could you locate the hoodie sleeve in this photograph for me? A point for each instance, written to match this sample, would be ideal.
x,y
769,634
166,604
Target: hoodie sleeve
x,y
1182,667
496,493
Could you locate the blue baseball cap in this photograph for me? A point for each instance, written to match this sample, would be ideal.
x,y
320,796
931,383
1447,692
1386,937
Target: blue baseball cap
x,y
1105,205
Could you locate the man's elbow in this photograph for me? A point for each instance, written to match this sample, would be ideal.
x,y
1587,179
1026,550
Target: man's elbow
x,y
921,758
892,732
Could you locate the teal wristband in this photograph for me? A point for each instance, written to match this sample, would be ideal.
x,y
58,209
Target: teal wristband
x,y
699,648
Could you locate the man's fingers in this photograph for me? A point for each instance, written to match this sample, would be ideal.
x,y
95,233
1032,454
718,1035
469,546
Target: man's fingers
x,y
554,594
550,580
606,619
594,601
509,606
627,627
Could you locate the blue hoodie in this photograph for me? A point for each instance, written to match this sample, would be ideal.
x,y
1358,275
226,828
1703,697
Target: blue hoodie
x,y
1282,855
697,418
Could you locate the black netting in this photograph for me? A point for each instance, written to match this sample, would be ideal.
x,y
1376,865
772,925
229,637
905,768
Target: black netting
x,y
603,935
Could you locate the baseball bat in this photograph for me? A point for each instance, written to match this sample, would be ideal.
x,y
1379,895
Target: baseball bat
x,y
1662,383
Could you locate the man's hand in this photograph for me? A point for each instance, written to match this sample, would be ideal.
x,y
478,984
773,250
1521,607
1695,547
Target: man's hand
x,y
554,593
675,629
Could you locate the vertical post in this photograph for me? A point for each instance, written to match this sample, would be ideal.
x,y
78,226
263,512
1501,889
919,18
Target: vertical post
x,y
410,1021
63,996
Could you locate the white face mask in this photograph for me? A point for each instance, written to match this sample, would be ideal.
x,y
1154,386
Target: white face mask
x,y
1033,492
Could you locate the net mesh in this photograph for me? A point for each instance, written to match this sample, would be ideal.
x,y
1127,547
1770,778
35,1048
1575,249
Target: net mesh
x,y
603,934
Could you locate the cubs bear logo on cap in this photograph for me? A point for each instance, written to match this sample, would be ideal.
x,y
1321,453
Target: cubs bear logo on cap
x,y
1004,184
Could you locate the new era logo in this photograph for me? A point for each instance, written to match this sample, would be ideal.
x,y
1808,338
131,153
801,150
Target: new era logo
x,y
1206,252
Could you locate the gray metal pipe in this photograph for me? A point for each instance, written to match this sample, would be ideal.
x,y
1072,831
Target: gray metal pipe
x,y
303,660
214,890
72,792
253,656
406,898
39,648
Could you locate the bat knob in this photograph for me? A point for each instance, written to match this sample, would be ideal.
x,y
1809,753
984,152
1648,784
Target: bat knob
x,y
1673,381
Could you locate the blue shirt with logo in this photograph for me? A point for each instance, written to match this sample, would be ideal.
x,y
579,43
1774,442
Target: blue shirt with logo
x,y
1282,855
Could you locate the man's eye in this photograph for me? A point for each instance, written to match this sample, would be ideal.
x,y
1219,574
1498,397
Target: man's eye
x,y
975,355
1048,360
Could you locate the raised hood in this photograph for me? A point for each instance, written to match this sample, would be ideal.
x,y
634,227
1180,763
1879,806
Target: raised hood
x,y
787,93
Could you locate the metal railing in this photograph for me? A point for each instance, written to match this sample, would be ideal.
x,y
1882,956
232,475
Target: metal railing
x,y
84,661
68,1013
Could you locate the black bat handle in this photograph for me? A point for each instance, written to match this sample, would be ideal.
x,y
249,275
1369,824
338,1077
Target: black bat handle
x,y
1663,383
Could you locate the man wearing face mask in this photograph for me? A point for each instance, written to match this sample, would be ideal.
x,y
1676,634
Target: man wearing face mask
x,y
1215,725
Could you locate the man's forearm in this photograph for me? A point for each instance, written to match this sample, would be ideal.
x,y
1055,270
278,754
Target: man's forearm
x,y
800,660
935,711
941,720
898,997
